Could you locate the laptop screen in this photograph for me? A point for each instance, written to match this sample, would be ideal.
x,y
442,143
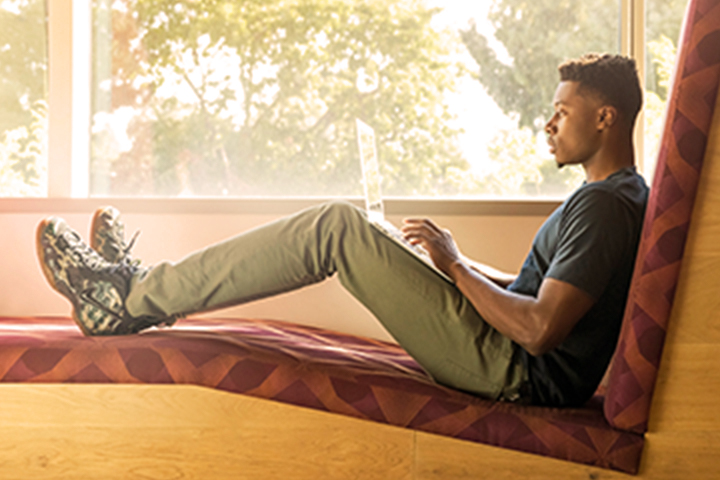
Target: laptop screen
x,y
370,171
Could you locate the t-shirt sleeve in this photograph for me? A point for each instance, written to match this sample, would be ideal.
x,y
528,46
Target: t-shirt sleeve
x,y
593,239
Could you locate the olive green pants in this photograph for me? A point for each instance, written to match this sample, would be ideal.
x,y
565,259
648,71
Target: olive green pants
x,y
426,314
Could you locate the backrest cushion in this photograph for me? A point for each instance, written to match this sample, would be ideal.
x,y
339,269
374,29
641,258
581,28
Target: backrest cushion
x,y
631,380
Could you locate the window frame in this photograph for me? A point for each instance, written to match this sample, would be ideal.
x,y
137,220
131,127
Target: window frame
x,y
69,24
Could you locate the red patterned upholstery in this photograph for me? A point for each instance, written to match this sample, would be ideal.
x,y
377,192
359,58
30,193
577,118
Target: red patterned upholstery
x,y
308,367
690,112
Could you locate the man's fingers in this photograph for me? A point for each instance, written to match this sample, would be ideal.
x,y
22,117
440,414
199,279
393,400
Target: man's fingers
x,y
419,225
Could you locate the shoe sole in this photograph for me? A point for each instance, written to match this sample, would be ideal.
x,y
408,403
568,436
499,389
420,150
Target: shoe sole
x,y
95,226
50,276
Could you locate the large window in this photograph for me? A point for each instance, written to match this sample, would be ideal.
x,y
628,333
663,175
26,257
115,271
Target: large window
x,y
258,98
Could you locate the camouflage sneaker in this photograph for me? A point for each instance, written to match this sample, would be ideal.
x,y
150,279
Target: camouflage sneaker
x,y
96,288
107,236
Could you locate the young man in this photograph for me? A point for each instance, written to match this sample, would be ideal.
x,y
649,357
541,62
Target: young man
x,y
544,336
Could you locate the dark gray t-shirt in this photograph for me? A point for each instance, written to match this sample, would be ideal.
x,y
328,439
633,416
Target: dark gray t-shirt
x,y
590,241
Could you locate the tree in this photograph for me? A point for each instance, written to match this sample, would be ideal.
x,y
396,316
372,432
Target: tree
x,y
259,97
23,130
663,21
663,53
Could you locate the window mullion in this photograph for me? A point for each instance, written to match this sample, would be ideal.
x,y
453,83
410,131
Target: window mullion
x,y
638,53
81,68
59,98
632,43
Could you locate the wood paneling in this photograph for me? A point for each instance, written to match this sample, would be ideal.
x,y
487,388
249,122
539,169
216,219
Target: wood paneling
x,y
173,432
684,437
442,458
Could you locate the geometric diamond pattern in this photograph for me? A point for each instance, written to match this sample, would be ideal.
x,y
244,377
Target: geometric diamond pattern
x,y
632,377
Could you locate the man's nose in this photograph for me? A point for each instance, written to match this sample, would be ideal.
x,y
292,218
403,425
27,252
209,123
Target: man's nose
x,y
550,126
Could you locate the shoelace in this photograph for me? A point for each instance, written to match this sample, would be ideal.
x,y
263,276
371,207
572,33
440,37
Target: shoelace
x,y
126,248
90,259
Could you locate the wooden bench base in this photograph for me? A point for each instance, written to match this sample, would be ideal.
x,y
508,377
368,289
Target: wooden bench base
x,y
172,432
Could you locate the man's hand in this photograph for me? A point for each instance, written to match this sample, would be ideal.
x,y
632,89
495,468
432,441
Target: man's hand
x,y
438,242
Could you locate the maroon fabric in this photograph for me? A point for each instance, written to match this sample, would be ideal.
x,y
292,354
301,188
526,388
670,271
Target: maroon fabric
x,y
692,102
310,367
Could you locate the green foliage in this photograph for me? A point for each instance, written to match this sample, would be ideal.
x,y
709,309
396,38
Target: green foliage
x,y
23,57
23,118
663,54
23,162
265,93
663,21
524,168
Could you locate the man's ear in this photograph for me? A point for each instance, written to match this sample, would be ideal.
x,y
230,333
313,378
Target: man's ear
x,y
607,116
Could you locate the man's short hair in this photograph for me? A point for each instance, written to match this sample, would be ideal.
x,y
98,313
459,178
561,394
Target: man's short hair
x,y
613,77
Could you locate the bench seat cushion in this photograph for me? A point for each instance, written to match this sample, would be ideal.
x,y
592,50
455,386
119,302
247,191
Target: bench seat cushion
x,y
309,367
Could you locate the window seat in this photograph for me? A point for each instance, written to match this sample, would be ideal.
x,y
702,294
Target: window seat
x,y
307,367
372,380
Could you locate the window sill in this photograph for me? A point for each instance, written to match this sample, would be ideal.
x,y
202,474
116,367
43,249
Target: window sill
x,y
278,206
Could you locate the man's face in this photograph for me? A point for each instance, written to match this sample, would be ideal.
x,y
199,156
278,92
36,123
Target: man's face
x,y
573,133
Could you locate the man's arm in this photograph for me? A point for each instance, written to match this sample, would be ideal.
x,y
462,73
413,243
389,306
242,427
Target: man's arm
x,y
536,324
499,278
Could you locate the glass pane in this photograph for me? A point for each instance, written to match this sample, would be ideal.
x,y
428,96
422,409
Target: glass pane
x,y
663,21
245,98
23,95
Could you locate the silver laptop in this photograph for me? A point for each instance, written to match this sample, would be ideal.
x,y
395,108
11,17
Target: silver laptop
x,y
373,196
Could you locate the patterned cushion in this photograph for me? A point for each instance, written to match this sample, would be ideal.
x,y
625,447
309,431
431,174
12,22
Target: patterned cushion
x,y
690,112
309,367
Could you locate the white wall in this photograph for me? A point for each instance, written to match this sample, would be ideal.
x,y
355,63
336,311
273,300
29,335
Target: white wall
x,y
501,241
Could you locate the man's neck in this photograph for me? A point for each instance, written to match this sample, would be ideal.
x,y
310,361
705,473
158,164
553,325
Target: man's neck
x,y
609,160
